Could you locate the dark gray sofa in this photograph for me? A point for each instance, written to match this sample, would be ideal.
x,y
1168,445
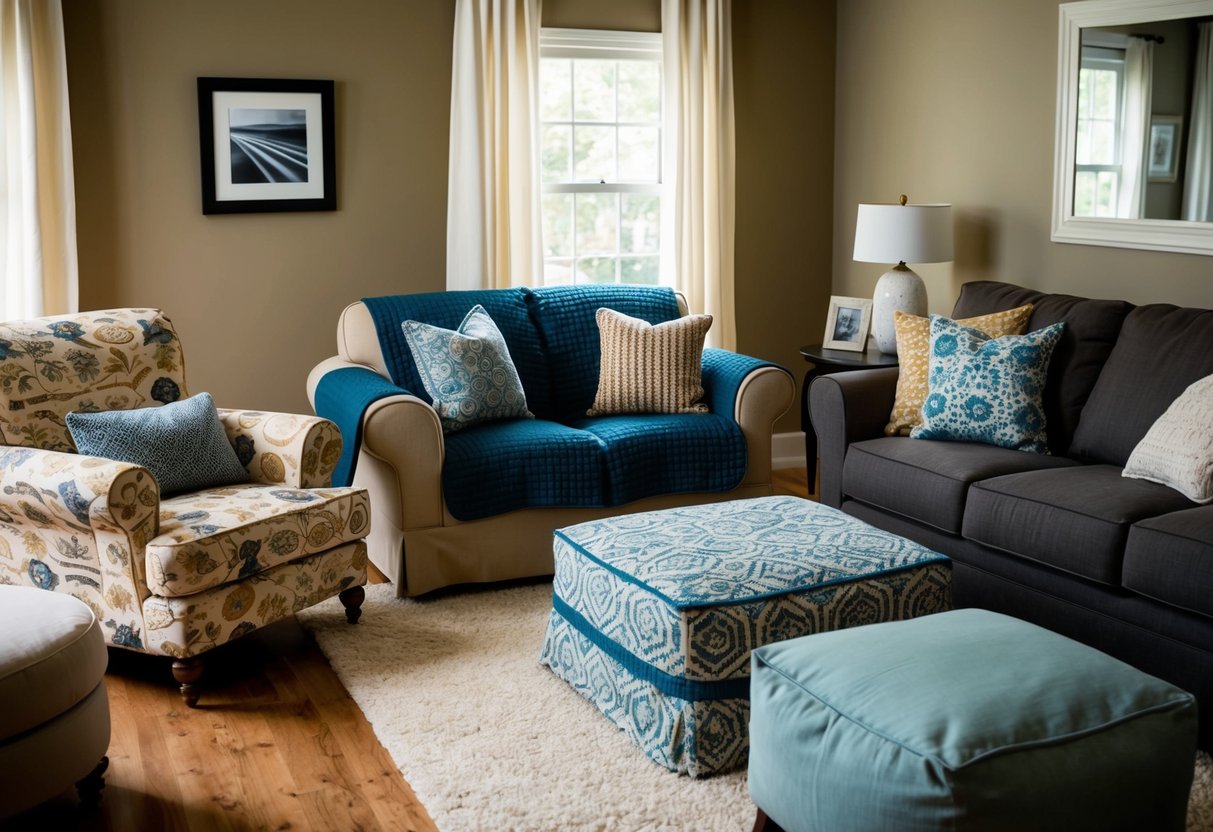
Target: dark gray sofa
x,y
1062,540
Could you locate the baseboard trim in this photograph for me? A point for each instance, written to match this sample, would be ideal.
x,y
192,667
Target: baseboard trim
x,y
787,450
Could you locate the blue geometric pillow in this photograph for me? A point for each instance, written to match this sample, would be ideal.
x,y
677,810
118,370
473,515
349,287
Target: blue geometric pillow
x,y
183,443
983,389
467,372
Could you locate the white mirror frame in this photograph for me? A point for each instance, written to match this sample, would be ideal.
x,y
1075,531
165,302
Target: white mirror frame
x,y
1158,235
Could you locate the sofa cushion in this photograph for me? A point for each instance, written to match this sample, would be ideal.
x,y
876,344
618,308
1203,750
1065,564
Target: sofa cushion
x,y
926,480
467,372
214,537
1092,327
1075,518
648,368
566,320
523,463
1170,558
507,307
668,453
986,389
1161,350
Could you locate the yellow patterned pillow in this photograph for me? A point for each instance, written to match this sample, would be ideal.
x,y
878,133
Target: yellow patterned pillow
x,y
650,369
913,346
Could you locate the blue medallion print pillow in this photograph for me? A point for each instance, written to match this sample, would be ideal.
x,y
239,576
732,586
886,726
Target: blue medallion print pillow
x,y
983,389
183,443
467,372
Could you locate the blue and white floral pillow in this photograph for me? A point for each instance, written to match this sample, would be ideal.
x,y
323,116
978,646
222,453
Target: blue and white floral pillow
x,y
983,389
467,372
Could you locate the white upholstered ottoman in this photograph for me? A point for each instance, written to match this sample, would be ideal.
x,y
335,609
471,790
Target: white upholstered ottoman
x,y
655,614
54,714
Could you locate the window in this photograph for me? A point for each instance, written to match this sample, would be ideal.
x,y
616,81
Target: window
x,y
601,138
1097,171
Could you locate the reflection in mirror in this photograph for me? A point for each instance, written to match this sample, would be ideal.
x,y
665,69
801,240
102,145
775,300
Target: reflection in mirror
x,y
1143,130
1134,160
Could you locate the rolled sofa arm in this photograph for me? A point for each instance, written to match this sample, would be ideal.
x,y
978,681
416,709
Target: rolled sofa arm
x,y
399,432
287,448
96,515
846,408
755,394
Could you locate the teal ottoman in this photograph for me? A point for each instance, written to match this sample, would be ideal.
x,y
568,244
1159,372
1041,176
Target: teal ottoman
x,y
966,720
654,615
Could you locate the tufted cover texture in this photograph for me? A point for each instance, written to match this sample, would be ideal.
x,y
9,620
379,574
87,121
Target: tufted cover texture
x,y
116,359
655,614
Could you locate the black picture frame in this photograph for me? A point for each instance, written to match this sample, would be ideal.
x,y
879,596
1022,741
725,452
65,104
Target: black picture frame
x,y
283,156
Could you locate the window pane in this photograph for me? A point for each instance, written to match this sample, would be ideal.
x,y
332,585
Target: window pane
x,y
555,89
639,154
1085,78
1103,143
557,271
596,270
594,90
597,223
557,225
640,224
1082,150
555,159
640,269
639,91
1104,100
1105,194
1084,193
595,154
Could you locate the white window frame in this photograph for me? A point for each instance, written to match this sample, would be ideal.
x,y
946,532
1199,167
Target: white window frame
x,y
594,44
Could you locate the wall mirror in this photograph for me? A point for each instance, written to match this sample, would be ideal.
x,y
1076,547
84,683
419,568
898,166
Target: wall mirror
x,y
1134,157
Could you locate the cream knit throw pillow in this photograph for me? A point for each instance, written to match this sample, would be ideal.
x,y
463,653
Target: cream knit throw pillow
x,y
650,369
913,347
1177,450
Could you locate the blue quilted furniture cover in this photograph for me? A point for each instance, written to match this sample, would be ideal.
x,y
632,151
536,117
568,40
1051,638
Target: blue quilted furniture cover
x,y
654,615
561,458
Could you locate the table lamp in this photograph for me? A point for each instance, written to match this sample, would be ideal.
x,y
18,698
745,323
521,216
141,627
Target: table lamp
x,y
906,234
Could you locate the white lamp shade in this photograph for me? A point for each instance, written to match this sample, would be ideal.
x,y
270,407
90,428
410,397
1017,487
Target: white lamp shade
x,y
903,233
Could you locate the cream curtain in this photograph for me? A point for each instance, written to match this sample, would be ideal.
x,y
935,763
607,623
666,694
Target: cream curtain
x,y
1198,180
699,158
1135,128
493,236
37,191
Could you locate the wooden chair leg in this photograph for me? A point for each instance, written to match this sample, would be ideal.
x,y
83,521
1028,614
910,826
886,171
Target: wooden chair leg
x,y
762,823
90,787
187,672
352,599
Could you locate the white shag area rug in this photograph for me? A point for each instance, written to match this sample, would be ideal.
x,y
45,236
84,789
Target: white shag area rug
x,y
489,739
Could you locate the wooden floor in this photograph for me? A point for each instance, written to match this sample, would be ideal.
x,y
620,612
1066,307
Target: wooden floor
x,y
276,744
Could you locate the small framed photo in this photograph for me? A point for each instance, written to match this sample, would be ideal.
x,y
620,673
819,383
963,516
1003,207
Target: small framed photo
x,y
847,324
1163,163
267,145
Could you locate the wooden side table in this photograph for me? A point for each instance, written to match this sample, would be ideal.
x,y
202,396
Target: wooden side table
x,y
825,362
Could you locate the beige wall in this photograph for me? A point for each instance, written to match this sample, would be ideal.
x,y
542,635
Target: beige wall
x,y
953,101
256,297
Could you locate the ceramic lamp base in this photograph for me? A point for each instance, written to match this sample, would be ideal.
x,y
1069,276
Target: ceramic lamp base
x,y
898,289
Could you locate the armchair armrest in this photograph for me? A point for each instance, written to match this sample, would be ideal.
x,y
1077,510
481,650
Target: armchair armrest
x,y
846,408
754,393
84,522
287,448
399,432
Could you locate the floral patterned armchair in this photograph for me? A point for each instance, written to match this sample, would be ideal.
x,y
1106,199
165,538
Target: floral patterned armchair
x,y
174,576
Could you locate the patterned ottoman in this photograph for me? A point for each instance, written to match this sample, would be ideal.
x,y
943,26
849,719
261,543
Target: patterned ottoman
x,y
654,615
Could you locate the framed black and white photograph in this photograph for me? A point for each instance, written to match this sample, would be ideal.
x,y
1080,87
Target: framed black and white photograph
x,y
267,145
1163,164
847,324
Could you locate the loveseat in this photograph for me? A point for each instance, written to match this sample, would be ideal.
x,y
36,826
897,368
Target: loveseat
x,y
480,504
1062,540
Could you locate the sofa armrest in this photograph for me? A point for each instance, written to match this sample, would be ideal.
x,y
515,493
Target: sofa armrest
x,y
846,408
287,448
84,522
402,434
754,393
